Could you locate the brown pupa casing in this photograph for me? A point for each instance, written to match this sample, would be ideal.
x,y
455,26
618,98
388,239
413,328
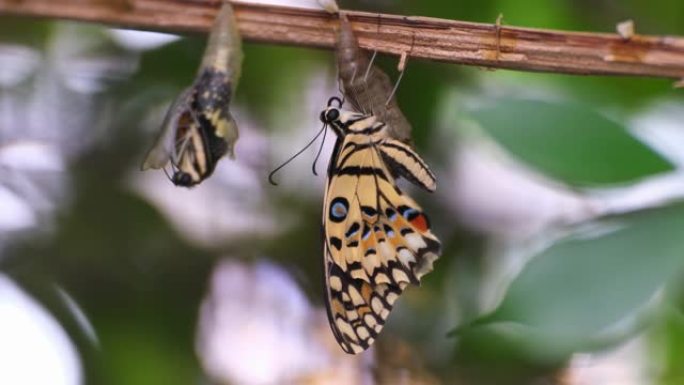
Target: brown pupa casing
x,y
371,93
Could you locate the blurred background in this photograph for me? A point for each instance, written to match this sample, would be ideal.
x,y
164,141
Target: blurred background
x,y
558,205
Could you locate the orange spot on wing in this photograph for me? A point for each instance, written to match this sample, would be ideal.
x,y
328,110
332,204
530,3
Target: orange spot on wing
x,y
337,307
420,223
366,292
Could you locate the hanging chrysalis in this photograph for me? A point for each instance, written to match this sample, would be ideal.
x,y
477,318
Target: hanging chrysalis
x,y
366,86
198,129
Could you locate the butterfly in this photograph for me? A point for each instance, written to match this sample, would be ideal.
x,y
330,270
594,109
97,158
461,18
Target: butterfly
x,y
377,240
198,129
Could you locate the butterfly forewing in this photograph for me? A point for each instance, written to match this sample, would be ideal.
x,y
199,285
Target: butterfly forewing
x,y
377,239
162,150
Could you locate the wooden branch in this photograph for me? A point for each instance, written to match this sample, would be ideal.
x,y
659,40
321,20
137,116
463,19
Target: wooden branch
x,y
486,45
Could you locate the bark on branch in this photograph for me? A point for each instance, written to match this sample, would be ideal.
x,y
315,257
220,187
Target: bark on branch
x,y
486,45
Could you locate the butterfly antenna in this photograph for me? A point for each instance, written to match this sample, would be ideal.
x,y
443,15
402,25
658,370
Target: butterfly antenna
x,y
270,176
320,149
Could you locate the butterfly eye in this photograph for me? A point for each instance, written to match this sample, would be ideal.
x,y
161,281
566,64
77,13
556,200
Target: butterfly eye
x,y
181,178
332,115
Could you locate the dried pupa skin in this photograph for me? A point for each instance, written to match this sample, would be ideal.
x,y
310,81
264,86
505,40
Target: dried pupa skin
x,y
198,128
368,93
330,6
626,29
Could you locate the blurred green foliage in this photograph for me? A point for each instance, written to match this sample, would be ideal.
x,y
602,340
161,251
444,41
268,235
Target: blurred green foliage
x,y
569,142
613,276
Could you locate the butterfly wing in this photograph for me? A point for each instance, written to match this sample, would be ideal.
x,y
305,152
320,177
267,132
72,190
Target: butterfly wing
x,y
403,161
377,241
161,152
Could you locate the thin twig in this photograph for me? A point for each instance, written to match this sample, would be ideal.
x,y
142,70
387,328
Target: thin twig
x,y
485,45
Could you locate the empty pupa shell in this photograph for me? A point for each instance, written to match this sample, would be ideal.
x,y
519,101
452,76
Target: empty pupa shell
x,y
198,128
371,92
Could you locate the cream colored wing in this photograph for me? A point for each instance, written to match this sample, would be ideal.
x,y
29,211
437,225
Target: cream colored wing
x,y
160,153
403,161
377,241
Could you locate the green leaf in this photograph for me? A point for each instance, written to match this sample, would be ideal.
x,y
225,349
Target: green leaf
x,y
569,142
23,31
667,343
568,296
273,80
155,70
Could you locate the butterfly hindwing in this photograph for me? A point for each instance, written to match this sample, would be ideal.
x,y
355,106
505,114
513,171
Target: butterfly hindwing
x,y
377,240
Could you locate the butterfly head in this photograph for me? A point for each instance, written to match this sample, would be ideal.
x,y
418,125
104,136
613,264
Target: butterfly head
x,y
330,115
184,179
340,120
332,112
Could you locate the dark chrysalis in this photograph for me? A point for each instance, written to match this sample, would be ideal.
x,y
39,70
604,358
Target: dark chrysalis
x,y
198,129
